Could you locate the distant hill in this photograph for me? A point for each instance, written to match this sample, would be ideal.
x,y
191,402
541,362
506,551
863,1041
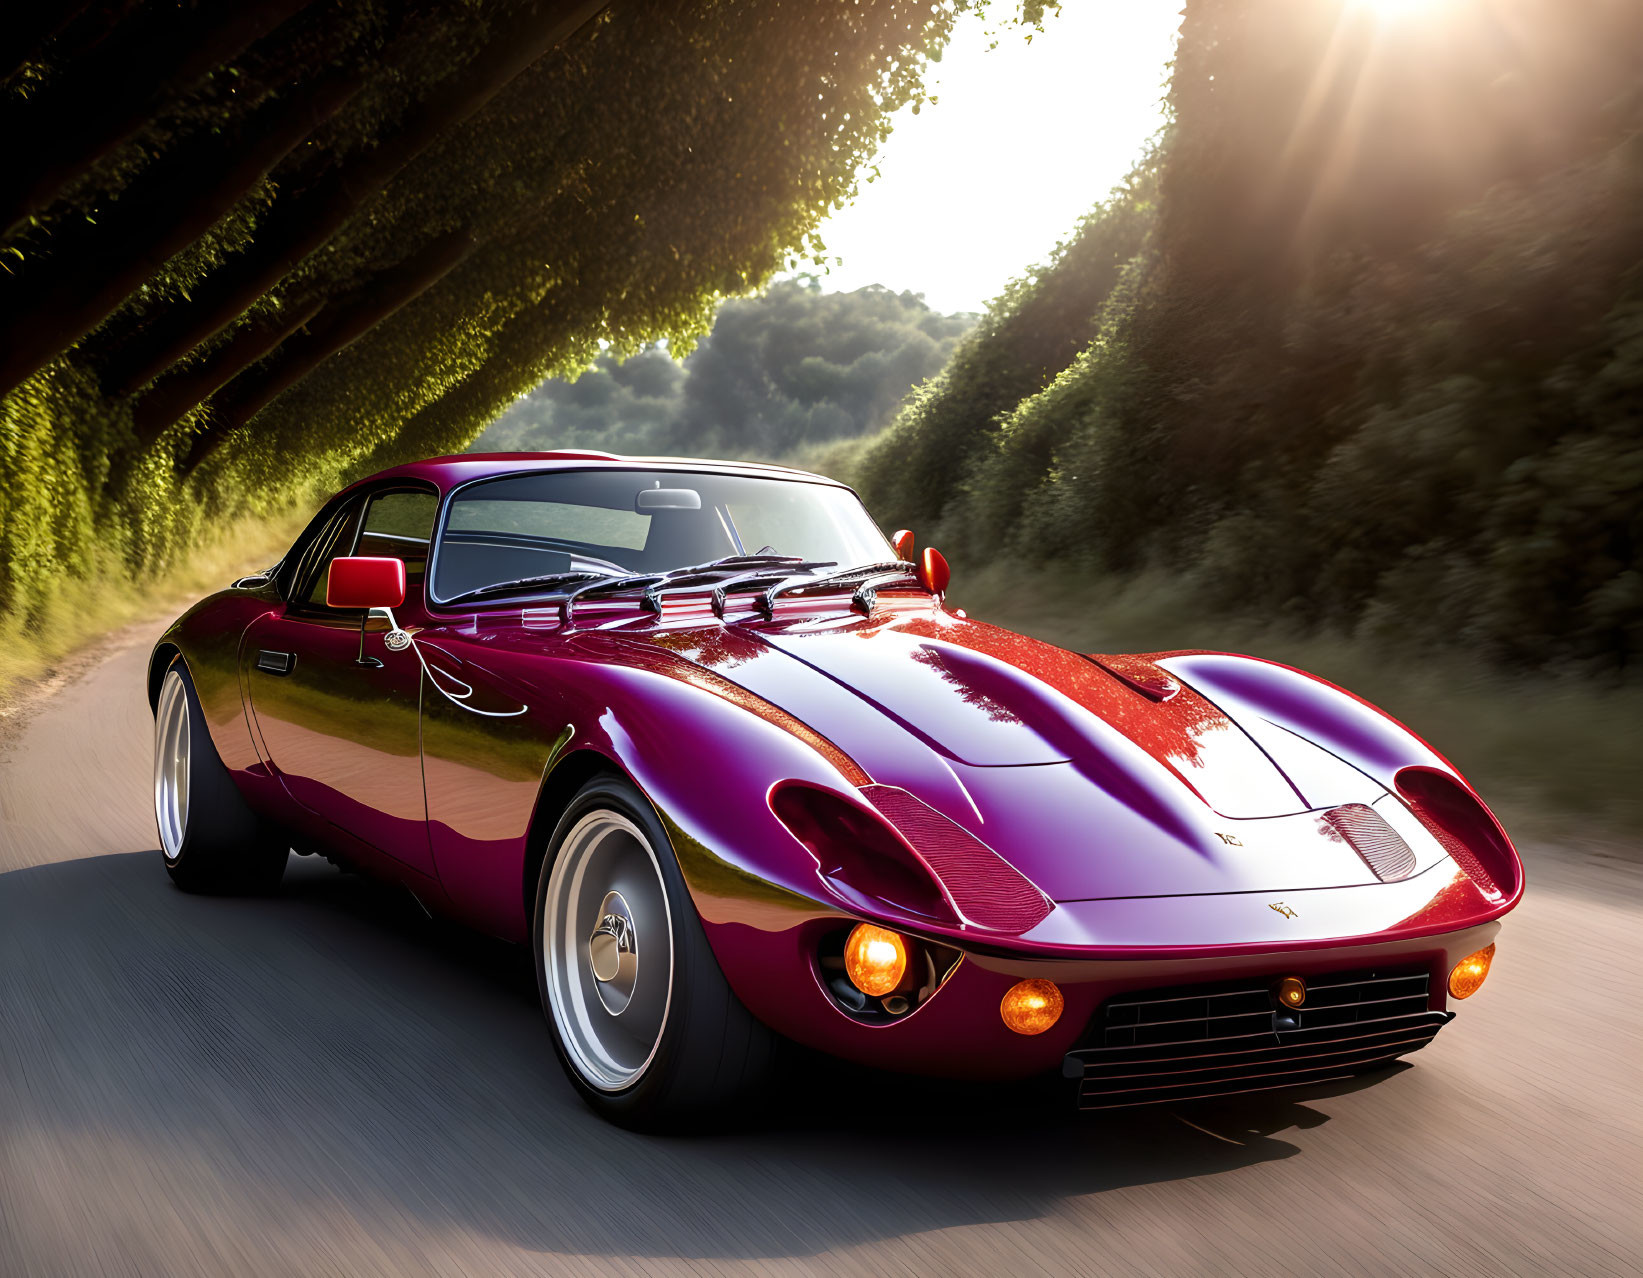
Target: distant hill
x,y
779,374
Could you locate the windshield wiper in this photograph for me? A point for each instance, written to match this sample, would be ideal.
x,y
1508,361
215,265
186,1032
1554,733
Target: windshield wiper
x,y
525,583
871,576
731,567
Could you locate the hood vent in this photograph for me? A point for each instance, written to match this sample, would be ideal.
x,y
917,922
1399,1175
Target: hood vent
x,y
1381,847
1139,674
987,889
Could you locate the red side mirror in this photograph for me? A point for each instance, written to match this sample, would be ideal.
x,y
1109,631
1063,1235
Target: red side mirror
x,y
933,572
364,581
903,542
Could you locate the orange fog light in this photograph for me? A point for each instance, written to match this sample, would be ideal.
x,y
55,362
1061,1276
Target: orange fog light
x,y
875,959
1467,978
1292,991
1031,1007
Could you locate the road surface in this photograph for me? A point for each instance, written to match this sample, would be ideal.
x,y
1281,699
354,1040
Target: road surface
x,y
326,1083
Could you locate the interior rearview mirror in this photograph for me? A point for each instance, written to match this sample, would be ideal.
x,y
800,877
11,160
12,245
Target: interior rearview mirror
x,y
667,499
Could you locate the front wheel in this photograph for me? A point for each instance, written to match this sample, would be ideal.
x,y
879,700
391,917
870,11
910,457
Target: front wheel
x,y
211,841
644,1021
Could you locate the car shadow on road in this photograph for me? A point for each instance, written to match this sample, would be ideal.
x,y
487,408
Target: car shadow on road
x,y
331,1047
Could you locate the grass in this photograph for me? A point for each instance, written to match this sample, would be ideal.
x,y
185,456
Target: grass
x,y
85,610
1545,750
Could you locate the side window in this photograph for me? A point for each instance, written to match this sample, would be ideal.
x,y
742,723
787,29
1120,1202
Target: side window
x,y
336,540
398,525
293,570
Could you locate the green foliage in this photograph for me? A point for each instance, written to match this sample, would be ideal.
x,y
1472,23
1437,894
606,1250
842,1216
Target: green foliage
x,y
1544,748
670,154
1029,335
791,369
1376,364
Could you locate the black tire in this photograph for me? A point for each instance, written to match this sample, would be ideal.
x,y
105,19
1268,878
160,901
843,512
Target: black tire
x,y
217,844
710,1051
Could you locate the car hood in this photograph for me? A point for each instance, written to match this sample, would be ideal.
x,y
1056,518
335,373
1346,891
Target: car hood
x,y
1096,777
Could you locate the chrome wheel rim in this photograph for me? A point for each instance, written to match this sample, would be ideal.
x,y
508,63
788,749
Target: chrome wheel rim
x,y
607,945
171,765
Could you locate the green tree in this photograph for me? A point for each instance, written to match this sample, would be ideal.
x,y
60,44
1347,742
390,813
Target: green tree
x,y
789,369
1375,363
287,244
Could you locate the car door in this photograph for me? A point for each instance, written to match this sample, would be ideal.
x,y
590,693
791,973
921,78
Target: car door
x,y
338,714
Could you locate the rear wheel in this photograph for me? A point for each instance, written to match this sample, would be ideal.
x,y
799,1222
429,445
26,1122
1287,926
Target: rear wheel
x,y
644,1021
211,841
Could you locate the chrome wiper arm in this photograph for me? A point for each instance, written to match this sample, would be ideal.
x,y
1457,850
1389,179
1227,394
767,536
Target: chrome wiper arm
x,y
628,581
873,575
523,583
760,579
774,574
728,569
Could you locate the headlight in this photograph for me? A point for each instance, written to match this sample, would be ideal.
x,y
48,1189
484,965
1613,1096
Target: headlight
x,y
1031,1006
875,959
1469,974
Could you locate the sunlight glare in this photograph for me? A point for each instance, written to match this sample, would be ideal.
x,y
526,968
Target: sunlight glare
x,y
1025,138
1396,8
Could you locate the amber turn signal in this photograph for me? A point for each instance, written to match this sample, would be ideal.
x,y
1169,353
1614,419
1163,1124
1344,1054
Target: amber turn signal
x,y
1031,1006
875,959
1292,991
1467,978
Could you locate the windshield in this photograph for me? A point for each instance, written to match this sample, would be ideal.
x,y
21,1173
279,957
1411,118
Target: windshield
x,y
521,527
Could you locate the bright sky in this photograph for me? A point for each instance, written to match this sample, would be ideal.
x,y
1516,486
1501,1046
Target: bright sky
x,y
1025,138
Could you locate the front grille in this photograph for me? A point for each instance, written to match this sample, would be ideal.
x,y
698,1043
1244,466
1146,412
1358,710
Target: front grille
x,y
1213,1040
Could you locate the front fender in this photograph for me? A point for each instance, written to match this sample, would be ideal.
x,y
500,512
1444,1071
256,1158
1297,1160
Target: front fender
x,y
495,785
1287,710
208,638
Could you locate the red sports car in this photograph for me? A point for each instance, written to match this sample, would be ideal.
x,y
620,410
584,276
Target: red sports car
x,y
721,753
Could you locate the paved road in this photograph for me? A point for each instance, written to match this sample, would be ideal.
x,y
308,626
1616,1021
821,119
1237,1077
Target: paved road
x,y
326,1083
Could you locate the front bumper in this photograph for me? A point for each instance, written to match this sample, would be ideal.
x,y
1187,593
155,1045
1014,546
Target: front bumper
x,y
1188,1043
958,1032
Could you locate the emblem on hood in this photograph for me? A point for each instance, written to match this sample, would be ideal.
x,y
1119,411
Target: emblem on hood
x,y
1282,909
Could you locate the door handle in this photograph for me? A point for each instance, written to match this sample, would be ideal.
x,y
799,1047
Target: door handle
x,y
276,663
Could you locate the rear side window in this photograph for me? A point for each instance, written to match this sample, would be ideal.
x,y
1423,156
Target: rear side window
x,y
398,525
334,540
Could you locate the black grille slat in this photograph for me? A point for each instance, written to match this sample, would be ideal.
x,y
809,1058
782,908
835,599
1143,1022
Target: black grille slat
x,y
1248,994
1254,1042
1419,978
1356,1059
1405,987
1247,1042
1178,1044
1259,1056
1195,1091
1196,1020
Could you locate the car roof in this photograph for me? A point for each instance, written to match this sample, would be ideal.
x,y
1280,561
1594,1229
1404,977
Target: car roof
x,y
449,472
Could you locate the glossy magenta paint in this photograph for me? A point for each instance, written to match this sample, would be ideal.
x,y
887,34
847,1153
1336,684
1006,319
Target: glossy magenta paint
x,y
1158,805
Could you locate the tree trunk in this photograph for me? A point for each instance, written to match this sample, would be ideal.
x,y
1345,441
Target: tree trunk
x,y
173,396
94,268
340,324
106,97
296,227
